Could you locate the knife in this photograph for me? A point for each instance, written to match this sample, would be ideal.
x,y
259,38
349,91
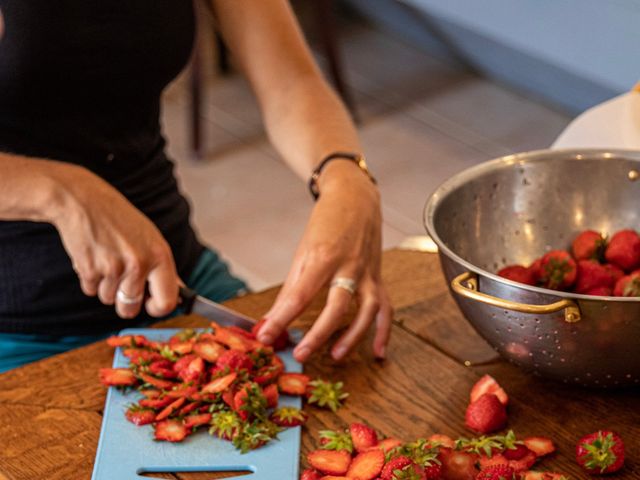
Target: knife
x,y
191,302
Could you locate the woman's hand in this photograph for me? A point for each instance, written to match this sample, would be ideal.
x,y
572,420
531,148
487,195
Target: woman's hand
x,y
342,239
113,246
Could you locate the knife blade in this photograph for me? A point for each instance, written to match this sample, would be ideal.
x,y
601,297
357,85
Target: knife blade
x,y
191,302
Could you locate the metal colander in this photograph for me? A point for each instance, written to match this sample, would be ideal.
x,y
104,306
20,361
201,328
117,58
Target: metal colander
x,y
510,211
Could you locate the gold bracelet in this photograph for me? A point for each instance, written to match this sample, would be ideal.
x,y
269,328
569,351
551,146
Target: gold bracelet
x,y
356,158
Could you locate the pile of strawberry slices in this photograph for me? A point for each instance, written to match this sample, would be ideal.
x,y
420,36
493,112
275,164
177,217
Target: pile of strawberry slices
x,y
359,453
220,379
595,266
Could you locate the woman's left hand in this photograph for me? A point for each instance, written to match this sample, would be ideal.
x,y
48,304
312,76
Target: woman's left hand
x,y
342,239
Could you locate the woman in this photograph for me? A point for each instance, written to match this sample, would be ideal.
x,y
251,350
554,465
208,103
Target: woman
x,y
90,211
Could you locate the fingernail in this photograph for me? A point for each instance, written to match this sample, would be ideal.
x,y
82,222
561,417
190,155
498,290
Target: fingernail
x,y
302,353
265,338
339,352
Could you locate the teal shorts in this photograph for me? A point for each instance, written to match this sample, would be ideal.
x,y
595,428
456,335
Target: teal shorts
x,y
211,278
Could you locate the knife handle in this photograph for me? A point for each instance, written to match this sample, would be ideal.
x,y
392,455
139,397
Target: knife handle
x,y
186,299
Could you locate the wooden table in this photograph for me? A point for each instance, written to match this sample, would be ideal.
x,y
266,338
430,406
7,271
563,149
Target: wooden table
x,y
50,411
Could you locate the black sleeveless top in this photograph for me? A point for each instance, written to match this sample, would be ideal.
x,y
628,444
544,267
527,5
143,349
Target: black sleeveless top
x,y
80,81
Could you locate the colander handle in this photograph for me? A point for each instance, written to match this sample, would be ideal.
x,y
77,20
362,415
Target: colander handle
x,y
466,285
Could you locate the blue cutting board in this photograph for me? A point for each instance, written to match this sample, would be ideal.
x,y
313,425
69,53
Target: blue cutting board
x,y
125,450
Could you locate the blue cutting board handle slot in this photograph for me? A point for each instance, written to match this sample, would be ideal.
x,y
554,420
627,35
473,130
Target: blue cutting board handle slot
x,y
125,451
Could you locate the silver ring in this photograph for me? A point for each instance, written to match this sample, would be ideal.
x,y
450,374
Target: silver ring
x,y
127,300
345,283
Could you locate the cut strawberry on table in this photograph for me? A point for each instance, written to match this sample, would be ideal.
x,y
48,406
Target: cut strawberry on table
x,y
330,462
600,452
497,472
366,465
394,466
293,383
140,415
310,474
171,431
487,414
117,377
363,437
488,384
541,446
458,465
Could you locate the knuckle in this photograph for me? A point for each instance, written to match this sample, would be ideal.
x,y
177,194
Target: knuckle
x,y
136,266
113,268
296,300
324,254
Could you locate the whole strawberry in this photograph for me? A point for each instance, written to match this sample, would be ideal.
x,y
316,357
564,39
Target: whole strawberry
x,y
624,250
396,464
588,245
497,472
628,286
487,414
592,275
518,273
557,270
600,452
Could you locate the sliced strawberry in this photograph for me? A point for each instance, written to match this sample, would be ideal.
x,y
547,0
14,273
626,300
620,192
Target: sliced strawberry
x,y
209,351
181,348
171,431
220,384
141,356
234,360
488,384
156,403
169,409
487,414
288,417
363,437
496,472
458,465
139,415
366,465
232,339
127,341
197,420
267,374
184,390
117,377
162,368
396,463
523,463
541,446
150,393
310,474
239,402
516,453
331,462
494,459
183,362
194,371
270,392
443,440
228,398
293,383
157,382
190,407
387,444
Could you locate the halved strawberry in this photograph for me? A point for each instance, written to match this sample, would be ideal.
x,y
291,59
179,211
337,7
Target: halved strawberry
x,y
487,414
270,392
366,465
363,437
310,474
387,444
209,351
183,362
156,382
169,409
194,371
488,384
293,383
234,360
220,384
541,446
139,415
232,339
141,356
393,465
184,390
162,368
443,440
497,472
190,407
457,465
127,341
171,431
156,403
117,377
288,417
331,462
197,420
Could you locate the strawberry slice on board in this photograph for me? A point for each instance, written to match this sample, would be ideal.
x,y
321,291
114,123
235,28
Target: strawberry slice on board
x,y
197,420
488,384
157,382
293,383
169,409
117,377
140,415
541,446
209,351
330,462
310,474
366,465
220,384
171,431
387,444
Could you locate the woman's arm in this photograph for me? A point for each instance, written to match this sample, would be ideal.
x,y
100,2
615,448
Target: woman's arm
x,y
111,244
306,121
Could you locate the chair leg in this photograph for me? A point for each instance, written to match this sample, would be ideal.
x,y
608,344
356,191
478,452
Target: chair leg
x,y
329,37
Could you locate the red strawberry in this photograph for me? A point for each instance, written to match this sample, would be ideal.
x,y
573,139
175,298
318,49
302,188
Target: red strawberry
x,y
184,390
494,459
171,431
194,371
518,273
183,362
127,341
117,377
310,474
193,421
523,463
190,407
270,392
156,403
396,463
234,360
488,384
588,245
541,446
169,409
288,417
592,275
293,383
497,472
163,368
458,465
432,471
536,269
279,343
519,451
141,356
140,415
600,291
616,272
600,452
445,440
239,401
157,382
628,286
363,437
366,465
181,348
532,475
558,270
487,414
220,384
233,340
331,462
387,444
624,250
209,351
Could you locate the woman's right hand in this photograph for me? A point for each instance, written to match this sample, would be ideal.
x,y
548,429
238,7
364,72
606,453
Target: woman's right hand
x,y
112,245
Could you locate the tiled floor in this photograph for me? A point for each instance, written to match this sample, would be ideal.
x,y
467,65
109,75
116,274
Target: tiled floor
x,y
423,121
